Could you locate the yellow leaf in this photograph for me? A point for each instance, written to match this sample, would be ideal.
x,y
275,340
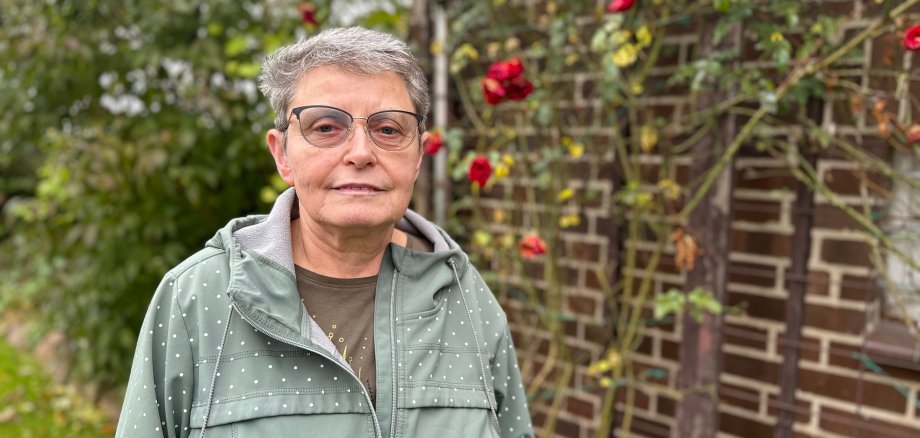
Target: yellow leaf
x,y
501,171
669,188
648,138
636,88
437,47
508,159
625,56
571,59
613,357
569,220
644,36
565,194
493,48
576,150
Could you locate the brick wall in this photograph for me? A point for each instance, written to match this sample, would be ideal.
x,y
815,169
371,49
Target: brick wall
x,y
837,394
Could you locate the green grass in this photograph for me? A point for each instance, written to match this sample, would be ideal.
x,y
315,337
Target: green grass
x,y
32,406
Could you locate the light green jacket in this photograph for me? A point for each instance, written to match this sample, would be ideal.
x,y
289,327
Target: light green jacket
x,y
227,348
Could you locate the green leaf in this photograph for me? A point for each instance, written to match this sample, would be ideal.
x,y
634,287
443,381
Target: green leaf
x,y
235,46
669,303
721,5
248,70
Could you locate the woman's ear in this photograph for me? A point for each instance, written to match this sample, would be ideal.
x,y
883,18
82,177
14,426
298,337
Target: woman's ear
x,y
426,137
277,145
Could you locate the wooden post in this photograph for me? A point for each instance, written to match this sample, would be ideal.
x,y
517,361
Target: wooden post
x,y
710,225
796,282
419,37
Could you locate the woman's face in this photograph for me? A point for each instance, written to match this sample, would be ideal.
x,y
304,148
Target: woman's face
x,y
355,185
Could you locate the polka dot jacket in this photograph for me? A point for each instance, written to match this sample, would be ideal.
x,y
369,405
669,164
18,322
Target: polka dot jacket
x,y
227,348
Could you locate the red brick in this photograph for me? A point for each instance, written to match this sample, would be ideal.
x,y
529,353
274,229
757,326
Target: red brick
x,y
588,252
646,347
739,396
770,178
670,350
828,216
842,355
851,424
842,181
759,306
580,408
567,428
809,348
802,408
756,369
852,390
665,263
858,288
746,427
756,211
765,243
640,399
582,305
667,406
752,273
646,427
845,252
818,283
745,336
835,319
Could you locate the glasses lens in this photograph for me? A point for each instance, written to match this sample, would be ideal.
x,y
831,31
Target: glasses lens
x,y
324,127
392,130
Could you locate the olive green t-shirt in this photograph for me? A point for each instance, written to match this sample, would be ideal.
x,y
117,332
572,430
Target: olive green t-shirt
x,y
344,309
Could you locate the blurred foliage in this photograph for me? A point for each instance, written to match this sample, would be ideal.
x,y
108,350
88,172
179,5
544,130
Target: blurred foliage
x,y
31,406
135,130
137,133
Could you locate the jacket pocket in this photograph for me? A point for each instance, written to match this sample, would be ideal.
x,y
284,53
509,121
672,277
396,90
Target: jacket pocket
x,y
446,412
286,414
421,307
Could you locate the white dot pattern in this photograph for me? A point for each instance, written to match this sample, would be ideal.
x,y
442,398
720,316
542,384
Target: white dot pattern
x,y
437,356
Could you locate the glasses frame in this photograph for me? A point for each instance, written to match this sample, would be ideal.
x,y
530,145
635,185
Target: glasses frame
x,y
296,113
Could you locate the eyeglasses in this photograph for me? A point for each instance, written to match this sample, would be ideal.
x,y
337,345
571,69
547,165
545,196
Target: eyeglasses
x,y
327,127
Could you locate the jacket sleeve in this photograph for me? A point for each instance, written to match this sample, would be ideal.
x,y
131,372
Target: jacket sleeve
x,y
513,414
161,386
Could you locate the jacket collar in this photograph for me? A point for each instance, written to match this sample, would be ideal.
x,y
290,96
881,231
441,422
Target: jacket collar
x,y
262,278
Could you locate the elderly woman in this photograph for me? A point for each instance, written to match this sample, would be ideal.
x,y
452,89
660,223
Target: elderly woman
x,y
341,313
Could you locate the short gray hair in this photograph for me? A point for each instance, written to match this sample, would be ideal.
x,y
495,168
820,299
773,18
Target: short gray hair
x,y
353,49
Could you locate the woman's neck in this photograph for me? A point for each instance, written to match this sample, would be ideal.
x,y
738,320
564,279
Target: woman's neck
x,y
341,254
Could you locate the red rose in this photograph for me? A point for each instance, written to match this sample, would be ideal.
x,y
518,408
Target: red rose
x,y
493,91
308,13
912,38
505,79
913,134
505,70
532,245
480,171
620,5
519,88
434,143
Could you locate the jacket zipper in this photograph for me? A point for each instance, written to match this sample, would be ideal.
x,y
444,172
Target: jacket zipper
x,y
367,397
393,351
